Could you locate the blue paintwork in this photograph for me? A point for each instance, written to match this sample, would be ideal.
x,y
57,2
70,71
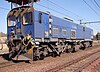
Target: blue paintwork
x,y
27,29
64,24
38,30
88,33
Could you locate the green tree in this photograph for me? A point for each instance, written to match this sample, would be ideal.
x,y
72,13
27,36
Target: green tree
x,y
98,36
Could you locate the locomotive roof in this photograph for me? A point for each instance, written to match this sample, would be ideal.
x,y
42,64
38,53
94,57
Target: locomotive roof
x,y
20,10
25,8
19,2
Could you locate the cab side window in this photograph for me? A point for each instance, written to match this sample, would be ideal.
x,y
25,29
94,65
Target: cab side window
x,y
27,18
84,28
11,21
40,17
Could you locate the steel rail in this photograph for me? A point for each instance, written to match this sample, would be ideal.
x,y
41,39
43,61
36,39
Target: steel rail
x,y
67,64
79,69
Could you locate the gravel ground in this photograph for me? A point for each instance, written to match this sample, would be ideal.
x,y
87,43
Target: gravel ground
x,y
2,59
82,63
47,63
94,67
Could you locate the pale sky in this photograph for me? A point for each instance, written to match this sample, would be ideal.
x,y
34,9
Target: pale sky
x,y
74,9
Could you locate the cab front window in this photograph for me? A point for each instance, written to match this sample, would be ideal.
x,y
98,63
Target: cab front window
x,y
27,18
12,21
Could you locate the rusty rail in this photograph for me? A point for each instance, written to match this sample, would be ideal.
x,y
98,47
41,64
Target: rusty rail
x,y
67,64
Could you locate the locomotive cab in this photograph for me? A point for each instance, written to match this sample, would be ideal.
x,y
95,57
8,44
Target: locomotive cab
x,y
18,19
26,20
19,27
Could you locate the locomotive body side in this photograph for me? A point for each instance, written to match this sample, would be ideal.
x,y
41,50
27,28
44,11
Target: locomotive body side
x,y
81,32
53,35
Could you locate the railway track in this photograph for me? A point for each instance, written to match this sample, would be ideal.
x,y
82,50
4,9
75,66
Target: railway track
x,y
66,64
93,67
82,64
71,65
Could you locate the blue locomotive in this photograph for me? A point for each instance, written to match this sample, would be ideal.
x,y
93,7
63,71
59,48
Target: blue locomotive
x,y
39,34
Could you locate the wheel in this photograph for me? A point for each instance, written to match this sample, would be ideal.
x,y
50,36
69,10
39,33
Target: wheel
x,y
82,46
54,54
41,57
91,44
38,55
73,50
66,51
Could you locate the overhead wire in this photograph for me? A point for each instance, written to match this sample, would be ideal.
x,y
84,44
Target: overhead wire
x,y
93,10
94,3
64,8
45,7
55,10
97,3
42,6
91,7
